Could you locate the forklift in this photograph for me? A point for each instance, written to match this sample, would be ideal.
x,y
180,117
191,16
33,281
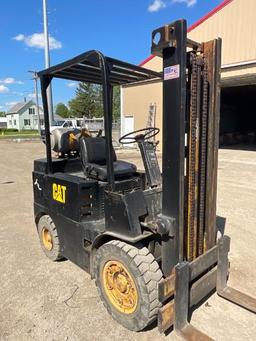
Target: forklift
x,y
149,239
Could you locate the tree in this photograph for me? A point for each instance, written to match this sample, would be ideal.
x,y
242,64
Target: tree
x,y
2,113
116,103
88,101
62,110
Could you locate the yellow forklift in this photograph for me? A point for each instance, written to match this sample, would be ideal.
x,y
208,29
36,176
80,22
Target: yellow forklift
x,y
149,239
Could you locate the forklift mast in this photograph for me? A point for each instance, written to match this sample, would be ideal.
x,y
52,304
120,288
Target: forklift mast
x,y
193,261
191,91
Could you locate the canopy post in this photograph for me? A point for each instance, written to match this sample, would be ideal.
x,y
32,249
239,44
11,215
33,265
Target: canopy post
x,y
45,82
107,105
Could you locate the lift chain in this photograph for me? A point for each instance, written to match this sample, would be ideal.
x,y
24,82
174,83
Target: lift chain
x,y
203,156
192,120
196,164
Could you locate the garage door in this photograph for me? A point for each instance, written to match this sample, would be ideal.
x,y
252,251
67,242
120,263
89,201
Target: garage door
x,y
237,115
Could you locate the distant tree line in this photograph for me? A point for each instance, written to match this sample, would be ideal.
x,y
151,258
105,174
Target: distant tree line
x,y
88,102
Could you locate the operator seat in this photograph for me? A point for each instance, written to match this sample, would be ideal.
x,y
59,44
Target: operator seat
x,y
93,158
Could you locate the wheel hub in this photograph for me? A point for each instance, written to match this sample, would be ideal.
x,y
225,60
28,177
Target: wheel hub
x,y
47,239
120,287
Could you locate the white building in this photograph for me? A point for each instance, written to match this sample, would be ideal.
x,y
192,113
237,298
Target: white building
x,y
23,116
3,122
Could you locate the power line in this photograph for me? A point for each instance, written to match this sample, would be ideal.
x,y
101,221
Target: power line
x,y
47,58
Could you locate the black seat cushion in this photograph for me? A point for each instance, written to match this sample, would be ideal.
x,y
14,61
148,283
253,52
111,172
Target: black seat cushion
x,y
93,157
93,150
122,169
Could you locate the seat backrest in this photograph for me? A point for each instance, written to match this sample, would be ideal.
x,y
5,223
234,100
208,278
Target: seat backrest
x,y
93,150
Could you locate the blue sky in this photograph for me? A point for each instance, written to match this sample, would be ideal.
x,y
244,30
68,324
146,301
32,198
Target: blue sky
x,y
118,28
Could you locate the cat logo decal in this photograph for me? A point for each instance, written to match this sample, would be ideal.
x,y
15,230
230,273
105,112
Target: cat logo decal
x,y
59,193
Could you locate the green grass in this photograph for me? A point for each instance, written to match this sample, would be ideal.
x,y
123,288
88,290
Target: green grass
x,y
22,132
19,134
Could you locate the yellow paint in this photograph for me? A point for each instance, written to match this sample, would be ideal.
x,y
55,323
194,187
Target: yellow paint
x,y
59,193
120,287
47,239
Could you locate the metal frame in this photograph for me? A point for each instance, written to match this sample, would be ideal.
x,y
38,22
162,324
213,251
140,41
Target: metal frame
x,y
212,52
191,283
93,67
172,47
187,281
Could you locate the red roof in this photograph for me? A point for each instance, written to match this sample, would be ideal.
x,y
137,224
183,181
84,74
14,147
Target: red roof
x,y
197,23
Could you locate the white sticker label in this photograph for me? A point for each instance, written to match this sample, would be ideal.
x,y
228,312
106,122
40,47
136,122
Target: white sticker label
x,y
172,72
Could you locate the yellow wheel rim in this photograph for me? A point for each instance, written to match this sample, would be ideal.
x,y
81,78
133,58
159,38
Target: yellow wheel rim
x,y
120,287
47,239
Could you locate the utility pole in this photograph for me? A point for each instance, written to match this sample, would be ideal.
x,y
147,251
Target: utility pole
x,y
47,59
35,78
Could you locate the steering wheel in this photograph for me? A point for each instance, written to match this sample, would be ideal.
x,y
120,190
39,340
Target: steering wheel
x,y
140,134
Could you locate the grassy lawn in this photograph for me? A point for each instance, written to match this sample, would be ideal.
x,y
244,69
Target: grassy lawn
x,y
19,134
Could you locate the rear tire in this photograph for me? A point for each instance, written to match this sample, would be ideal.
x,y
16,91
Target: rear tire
x,y
130,271
49,239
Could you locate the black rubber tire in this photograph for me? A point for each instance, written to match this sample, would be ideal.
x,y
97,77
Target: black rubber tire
x,y
46,222
146,274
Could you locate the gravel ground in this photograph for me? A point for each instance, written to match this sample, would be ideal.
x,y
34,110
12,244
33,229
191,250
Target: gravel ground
x,y
41,300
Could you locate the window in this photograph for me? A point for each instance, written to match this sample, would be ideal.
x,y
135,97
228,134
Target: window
x,y
68,124
57,123
31,111
10,122
26,122
14,122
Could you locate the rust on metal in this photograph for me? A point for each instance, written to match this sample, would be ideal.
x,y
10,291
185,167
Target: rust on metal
x,y
203,286
203,150
191,172
203,262
166,288
166,316
239,298
203,87
195,163
211,51
243,300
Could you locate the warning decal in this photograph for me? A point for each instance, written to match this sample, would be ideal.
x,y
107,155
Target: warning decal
x,y
172,72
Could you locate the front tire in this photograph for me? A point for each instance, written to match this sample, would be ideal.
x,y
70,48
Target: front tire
x,y
49,239
127,279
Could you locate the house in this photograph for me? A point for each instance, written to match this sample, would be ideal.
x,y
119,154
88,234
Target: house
x,y
3,122
233,21
23,116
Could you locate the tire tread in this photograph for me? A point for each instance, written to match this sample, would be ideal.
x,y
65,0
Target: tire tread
x,y
55,253
149,273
